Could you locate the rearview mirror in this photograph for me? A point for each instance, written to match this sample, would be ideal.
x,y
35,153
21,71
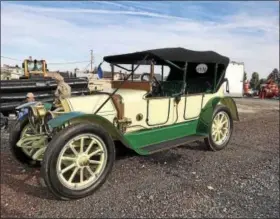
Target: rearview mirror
x,y
23,65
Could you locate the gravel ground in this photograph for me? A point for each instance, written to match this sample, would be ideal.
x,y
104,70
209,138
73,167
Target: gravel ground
x,y
188,181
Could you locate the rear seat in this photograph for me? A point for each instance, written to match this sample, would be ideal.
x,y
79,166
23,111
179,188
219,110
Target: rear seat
x,y
171,88
197,86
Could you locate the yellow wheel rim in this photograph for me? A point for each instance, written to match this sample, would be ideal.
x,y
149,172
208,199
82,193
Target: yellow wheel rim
x,y
82,161
220,128
27,131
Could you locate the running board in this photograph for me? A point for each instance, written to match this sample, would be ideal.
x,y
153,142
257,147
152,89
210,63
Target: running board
x,y
171,143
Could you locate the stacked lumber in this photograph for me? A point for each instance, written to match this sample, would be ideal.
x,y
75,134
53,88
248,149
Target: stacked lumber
x,y
13,92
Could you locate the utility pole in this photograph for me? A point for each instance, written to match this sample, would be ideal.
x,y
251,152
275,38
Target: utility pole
x,y
91,59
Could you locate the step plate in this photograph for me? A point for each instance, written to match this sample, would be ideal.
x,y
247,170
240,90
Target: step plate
x,y
172,143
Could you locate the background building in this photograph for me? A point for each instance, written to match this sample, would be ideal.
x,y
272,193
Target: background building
x,y
11,72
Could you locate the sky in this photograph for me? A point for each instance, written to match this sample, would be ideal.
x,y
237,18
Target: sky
x,y
64,31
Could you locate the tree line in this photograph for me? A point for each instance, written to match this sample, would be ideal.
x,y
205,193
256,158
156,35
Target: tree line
x,y
255,81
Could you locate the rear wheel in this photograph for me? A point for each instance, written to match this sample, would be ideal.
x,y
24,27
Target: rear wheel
x,y
77,161
221,129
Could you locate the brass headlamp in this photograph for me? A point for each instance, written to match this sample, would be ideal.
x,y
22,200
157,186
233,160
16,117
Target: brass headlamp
x,y
36,113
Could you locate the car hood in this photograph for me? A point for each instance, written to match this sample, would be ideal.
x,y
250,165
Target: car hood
x,y
90,103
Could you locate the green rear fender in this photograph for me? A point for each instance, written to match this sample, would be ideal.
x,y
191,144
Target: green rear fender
x,y
79,117
205,117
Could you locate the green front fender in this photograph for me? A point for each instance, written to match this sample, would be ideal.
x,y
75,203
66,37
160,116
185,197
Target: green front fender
x,y
206,114
79,117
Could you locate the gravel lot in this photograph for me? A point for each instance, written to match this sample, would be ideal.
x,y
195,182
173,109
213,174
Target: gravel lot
x,y
240,181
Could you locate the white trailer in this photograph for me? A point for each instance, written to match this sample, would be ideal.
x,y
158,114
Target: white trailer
x,y
235,74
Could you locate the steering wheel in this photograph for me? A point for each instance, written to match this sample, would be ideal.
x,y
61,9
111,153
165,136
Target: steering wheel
x,y
154,80
156,86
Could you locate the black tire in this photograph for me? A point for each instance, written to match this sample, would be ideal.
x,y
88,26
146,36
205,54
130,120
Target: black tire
x,y
211,145
48,169
14,137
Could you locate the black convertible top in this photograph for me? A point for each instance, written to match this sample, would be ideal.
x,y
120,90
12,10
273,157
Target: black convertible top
x,y
176,55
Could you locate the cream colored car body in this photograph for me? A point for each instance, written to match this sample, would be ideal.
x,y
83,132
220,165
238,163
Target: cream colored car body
x,y
136,103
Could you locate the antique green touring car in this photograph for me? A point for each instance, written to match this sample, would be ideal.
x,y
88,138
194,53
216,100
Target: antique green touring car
x,y
75,142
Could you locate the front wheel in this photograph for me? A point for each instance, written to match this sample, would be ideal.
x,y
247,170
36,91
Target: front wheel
x,y
220,130
77,161
21,129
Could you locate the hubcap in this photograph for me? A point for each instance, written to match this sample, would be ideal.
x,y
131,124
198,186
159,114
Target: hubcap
x,y
220,128
81,161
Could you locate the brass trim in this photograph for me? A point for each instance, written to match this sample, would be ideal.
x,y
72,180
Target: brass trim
x,y
65,105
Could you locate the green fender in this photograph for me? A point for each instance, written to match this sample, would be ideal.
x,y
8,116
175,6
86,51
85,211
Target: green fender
x,y
205,117
79,117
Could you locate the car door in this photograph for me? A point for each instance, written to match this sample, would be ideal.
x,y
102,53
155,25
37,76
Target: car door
x,y
192,106
159,111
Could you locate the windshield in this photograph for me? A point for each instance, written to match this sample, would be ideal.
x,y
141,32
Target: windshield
x,y
35,65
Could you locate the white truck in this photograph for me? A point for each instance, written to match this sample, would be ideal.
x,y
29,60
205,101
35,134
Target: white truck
x,y
235,75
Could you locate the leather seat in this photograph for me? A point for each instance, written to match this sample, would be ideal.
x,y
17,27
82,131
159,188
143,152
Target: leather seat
x,y
196,86
171,88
